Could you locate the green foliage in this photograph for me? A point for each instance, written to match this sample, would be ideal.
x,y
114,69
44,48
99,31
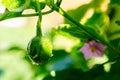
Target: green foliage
x,y
118,22
76,32
8,15
83,23
18,5
15,5
114,2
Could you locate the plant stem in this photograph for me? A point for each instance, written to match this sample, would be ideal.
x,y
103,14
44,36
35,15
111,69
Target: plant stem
x,y
28,15
58,2
35,14
39,30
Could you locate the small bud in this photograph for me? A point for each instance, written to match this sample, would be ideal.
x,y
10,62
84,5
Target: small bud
x,y
39,50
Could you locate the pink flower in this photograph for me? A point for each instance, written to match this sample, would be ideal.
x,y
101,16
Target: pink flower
x,y
92,49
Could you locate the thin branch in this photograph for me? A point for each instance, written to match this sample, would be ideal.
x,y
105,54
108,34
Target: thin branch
x,y
35,14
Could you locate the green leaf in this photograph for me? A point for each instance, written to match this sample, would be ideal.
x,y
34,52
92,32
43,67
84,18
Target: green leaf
x,y
114,27
79,59
77,13
16,5
74,31
117,22
8,15
114,35
68,74
115,2
77,74
97,18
